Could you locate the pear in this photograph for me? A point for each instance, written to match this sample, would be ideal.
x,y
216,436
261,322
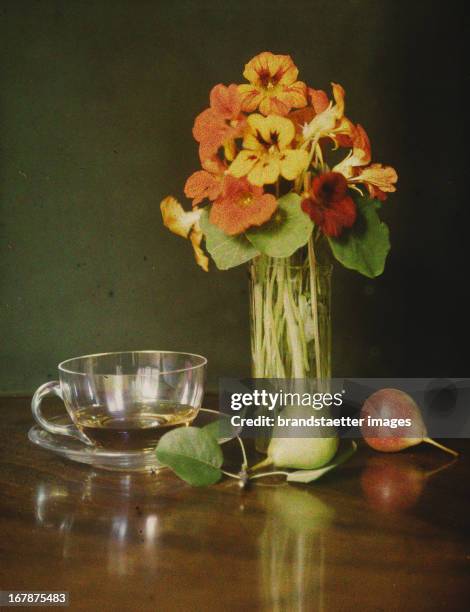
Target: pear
x,y
395,404
301,453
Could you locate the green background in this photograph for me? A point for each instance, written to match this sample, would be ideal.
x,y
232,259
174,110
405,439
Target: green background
x,y
97,104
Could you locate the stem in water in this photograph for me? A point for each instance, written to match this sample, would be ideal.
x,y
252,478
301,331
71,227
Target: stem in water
x,y
313,288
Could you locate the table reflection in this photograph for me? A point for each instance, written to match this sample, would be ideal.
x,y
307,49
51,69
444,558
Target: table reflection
x,y
111,515
395,483
292,548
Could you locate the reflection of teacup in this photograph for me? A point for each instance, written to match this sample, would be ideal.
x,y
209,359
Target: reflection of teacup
x,y
74,508
125,401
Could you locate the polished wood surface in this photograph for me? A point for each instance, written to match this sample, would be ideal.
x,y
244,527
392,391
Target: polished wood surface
x,y
381,533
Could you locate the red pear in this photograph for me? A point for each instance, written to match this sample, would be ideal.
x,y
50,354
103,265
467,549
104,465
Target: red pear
x,y
391,406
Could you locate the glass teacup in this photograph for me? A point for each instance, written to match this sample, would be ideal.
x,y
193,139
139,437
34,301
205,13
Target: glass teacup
x,y
125,401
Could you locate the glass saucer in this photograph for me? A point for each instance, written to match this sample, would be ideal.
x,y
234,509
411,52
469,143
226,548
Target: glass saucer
x,y
129,461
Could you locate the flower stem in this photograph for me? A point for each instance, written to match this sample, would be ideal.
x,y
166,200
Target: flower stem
x,y
313,288
293,331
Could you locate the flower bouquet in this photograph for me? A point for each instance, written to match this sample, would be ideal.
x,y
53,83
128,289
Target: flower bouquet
x,y
287,184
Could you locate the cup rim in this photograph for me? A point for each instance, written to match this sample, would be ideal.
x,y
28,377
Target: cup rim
x,y
61,367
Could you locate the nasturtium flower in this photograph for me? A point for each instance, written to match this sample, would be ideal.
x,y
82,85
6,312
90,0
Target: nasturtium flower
x,y
329,204
219,125
267,152
186,225
378,179
330,120
272,87
318,103
356,168
207,183
241,206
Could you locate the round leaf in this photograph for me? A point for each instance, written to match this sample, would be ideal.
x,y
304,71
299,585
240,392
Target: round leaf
x,y
192,454
365,246
287,230
226,251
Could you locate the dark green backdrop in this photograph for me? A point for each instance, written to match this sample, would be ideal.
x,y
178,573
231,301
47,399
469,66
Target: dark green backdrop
x,y
97,104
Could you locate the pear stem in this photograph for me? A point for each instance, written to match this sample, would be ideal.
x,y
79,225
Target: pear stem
x,y
269,474
441,446
242,447
231,475
265,463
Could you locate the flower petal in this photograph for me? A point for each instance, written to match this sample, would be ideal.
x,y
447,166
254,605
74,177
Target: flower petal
x,y
338,95
383,177
201,185
251,96
266,171
243,163
273,106
319,99
211,131
176,219
294,96
293,162
241,206
196,237
226,101
301,118
274,130
359,156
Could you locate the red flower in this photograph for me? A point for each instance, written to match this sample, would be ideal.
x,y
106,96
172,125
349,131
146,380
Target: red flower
x,y
329,204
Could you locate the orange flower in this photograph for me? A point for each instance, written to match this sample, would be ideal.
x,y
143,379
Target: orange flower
x,y
207,183
302,117
241,206
378,179
220,124
273,86
356,168
359,156
330,121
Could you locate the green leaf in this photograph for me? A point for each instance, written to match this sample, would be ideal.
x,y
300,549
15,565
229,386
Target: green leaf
x,y
226,251
310,475
222,429
287,230
192,454
365,246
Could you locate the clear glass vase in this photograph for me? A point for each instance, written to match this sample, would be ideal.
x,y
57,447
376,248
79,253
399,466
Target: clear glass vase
x,y
290,316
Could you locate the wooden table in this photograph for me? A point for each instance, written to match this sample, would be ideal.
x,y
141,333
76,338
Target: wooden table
x,y
381,533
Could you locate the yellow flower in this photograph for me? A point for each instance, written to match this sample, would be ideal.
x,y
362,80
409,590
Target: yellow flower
x,y
273,86
186,225
267,151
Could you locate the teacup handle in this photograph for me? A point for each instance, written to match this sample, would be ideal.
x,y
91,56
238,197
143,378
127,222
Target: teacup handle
x,y
53,388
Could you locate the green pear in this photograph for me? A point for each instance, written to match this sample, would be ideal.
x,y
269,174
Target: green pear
x,y
302,453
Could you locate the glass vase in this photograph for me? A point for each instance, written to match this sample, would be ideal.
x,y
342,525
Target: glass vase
x,y
290,316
